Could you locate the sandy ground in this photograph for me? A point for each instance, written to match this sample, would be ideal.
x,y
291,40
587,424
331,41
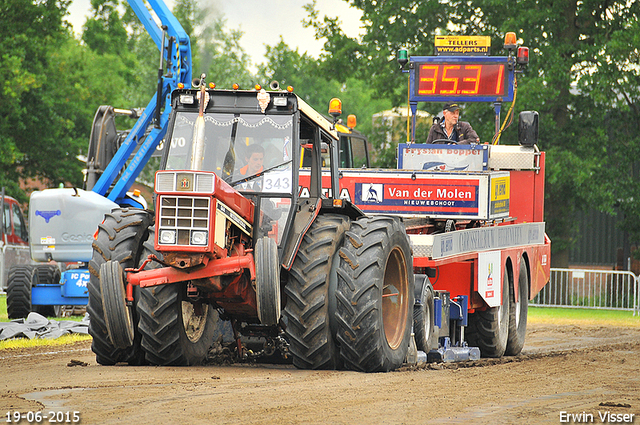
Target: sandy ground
x,y
577,370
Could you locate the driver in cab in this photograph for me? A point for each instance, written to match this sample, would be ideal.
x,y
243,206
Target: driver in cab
x,y
451,129
254,159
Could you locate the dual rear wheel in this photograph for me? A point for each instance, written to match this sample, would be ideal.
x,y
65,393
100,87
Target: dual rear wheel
x,y
350,295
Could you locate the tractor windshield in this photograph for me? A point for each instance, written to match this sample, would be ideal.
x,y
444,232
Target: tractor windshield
x,y
238,147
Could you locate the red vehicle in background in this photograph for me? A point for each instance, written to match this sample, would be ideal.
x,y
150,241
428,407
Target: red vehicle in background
x,y
14,239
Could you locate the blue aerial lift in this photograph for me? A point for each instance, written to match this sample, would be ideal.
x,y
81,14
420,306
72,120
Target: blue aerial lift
x,y
63,221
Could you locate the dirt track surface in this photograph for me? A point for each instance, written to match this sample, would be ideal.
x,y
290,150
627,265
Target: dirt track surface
x,y
568,369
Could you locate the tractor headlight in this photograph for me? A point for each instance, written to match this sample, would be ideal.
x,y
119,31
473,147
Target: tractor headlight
x,y
167,237
199,237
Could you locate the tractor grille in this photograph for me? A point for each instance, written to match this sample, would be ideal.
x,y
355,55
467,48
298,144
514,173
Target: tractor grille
x,y
173,181
186,218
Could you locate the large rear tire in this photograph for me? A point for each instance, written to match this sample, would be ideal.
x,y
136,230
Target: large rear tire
x,y
375,295
489,329
120,238
518,313
174,331
308,310
19,291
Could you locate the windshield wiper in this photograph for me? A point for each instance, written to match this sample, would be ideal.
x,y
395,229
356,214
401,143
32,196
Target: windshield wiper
x,y
255,176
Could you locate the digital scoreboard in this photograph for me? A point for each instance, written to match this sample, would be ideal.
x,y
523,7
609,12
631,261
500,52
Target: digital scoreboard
x,y
462,79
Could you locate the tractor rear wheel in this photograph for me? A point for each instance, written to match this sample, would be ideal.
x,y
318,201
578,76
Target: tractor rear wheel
x,y
375,295
174,331
120,238
489,329
19,292
518,313
309,290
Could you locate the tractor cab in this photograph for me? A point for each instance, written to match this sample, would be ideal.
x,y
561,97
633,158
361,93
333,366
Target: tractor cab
x,y
255,142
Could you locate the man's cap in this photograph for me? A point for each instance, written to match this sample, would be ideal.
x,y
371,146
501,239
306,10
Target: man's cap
x,y
451,107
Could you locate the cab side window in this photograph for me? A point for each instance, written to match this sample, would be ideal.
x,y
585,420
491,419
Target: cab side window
x,y
7,219
18,223
345,152
359,153
307,136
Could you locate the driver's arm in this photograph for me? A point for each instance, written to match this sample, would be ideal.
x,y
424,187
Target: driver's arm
x,y
433,134
467,134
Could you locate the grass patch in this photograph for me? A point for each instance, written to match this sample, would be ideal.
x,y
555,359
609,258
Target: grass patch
x,y
19,343
3,308
582,316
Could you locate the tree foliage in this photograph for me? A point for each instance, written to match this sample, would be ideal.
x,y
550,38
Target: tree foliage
x,y
38,115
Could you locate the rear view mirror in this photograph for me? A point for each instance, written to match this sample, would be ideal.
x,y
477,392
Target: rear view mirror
x,y
528,128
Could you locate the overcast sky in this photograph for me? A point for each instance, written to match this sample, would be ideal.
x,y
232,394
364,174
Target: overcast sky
x,y
262,21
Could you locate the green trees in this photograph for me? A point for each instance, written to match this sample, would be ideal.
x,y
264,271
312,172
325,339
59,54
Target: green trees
x,y
38,118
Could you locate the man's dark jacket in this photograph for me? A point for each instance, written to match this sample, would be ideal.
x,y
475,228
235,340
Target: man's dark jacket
x,y
466,134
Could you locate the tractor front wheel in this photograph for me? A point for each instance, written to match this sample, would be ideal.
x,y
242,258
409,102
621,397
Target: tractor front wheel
x,y
120,238
118,316
267,281
424,319
175,331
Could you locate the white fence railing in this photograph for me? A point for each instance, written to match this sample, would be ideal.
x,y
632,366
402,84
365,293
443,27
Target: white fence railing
x,y
603,289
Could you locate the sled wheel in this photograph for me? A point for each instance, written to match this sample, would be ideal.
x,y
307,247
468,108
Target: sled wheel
x,y
267,281
489,329
424,319
518,313
117,315
309,290
374,295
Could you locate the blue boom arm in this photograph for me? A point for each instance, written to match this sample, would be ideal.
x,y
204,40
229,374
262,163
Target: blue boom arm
x,y
176,51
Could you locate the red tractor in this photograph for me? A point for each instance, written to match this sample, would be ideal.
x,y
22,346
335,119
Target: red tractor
x,y
256,226
232,239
